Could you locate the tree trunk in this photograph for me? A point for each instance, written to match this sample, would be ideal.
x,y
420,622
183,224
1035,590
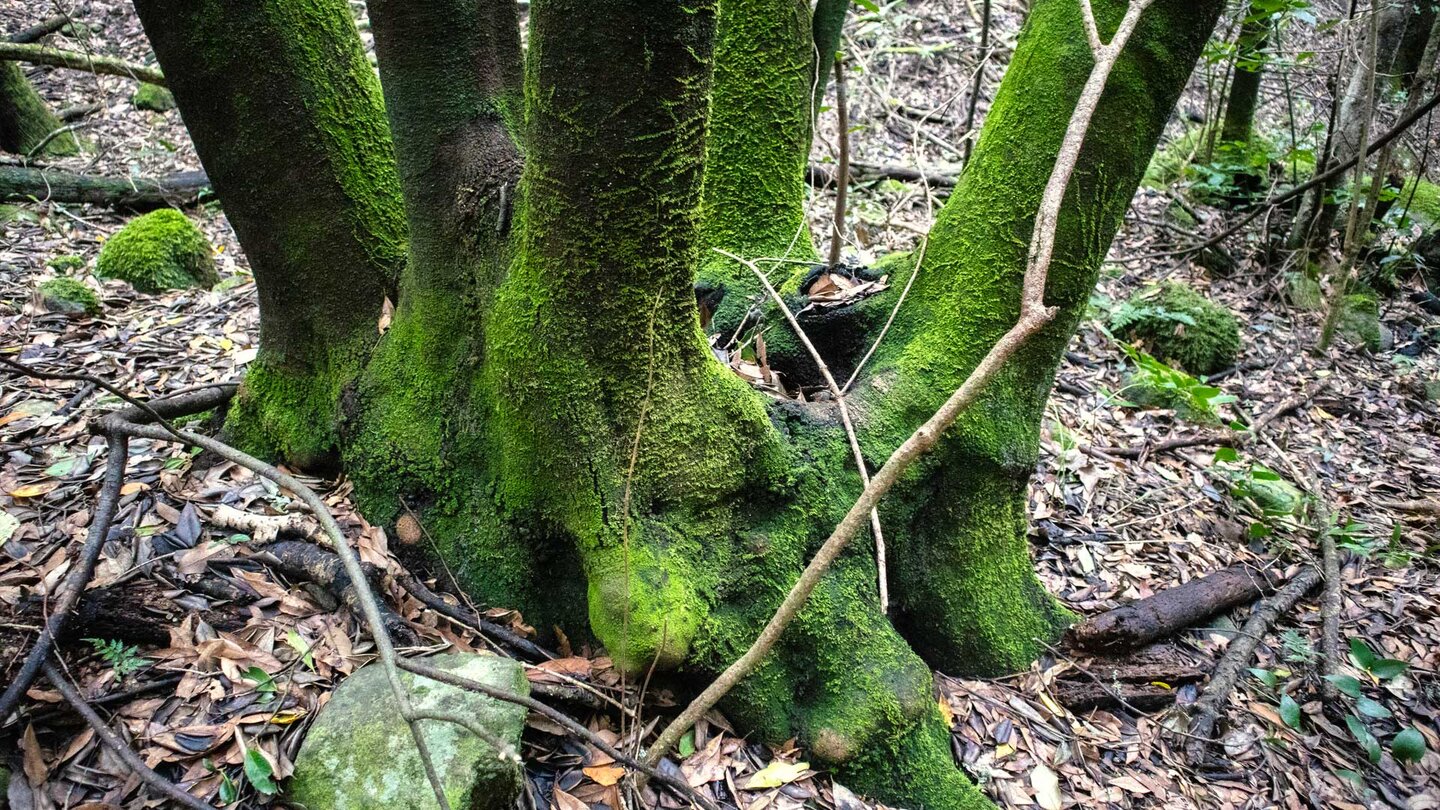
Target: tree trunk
x,y
25,121
286,116
1410,51
546,402
1245,77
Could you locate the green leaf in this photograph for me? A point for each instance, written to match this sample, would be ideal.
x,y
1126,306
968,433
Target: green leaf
x,y
1363,736
1264,474
1266,677
1408,746
1345,684
1290,711
1372,708
687,744
264,684
1361,652
868,5
1227,454
259,772
1352,777
300,646
1387,668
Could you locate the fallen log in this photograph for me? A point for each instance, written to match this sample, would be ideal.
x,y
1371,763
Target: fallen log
x,y
75,60
1169,611
44,28
21,184
822,177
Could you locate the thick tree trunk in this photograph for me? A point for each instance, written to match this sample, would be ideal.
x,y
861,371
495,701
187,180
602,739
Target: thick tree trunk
x,y
1410,52
1246,75
25,121
287,118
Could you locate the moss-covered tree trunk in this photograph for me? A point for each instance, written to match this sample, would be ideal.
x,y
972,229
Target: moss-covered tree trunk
x,y
546,402
287,118
25,121
1248,70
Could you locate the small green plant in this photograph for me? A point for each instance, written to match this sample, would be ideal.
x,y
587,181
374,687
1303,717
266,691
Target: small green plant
x,y
1156,384
1297,647
121,657
1408,745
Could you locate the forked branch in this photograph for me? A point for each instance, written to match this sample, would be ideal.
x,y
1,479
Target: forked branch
x,y
1034,315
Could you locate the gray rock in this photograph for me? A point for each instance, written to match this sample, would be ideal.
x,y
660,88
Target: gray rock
x,y
359,752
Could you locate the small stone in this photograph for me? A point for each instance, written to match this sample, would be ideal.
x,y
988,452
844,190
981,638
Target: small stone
x,y
359,752
68,296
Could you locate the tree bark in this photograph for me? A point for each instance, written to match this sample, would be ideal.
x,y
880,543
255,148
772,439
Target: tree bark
x,y
286,115
25,121
1245,78
19,184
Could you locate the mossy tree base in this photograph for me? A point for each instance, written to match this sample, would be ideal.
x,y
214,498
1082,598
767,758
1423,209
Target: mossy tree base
x,y
545,402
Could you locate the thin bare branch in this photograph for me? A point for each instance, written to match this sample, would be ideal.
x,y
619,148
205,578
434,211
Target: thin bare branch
x,y
839,394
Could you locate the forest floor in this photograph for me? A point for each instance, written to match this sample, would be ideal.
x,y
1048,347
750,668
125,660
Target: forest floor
x,y
1107,528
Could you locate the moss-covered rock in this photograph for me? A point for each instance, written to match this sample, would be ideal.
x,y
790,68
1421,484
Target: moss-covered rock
x,y
69,261
1275,496
162,250
69,296
1360,321
1304,292
359,752
1179,326
153,97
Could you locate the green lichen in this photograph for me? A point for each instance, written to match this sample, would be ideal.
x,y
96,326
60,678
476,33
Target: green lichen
x,y
153,97
67,262
1181,327
69,295
162,250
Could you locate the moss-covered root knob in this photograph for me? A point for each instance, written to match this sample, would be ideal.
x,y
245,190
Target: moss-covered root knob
x,y
69,296
648,618
162,250
153,97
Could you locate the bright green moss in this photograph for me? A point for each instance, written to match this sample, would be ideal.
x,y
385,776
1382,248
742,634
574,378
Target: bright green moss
x,y
153,97
1181,327
69,295
1423,198
67,262
293,414
162,250
1360,320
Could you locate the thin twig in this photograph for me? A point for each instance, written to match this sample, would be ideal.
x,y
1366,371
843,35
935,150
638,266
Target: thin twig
x,y
1034,315
111,740
842,174
975,83
839,394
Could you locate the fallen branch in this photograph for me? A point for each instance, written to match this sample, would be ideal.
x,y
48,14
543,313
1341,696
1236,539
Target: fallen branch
x,y
822,177
472,620
1418,507
324,568
1237,657
111,740
75,60
44,28
20,184
263,529
1169,611
1034,315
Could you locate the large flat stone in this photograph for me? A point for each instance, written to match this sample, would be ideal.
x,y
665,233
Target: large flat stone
x,y
359,752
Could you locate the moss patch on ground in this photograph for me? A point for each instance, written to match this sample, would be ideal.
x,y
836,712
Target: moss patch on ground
x,y
162,250
153,97
1180,326
70,296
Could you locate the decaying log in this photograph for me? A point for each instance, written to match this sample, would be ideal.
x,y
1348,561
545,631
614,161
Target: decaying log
x,y
1173,609
20,184
321,566
1142,680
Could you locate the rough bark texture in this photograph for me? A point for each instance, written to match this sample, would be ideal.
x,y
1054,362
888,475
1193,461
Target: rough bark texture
x,y
1410,53
547,405
1245,78
287,118
25,121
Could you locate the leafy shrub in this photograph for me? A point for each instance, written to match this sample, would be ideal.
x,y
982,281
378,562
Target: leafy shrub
x,y
1154,384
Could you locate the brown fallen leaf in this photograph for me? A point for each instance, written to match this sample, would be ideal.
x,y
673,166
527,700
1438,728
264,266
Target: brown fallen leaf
x,y
606,775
